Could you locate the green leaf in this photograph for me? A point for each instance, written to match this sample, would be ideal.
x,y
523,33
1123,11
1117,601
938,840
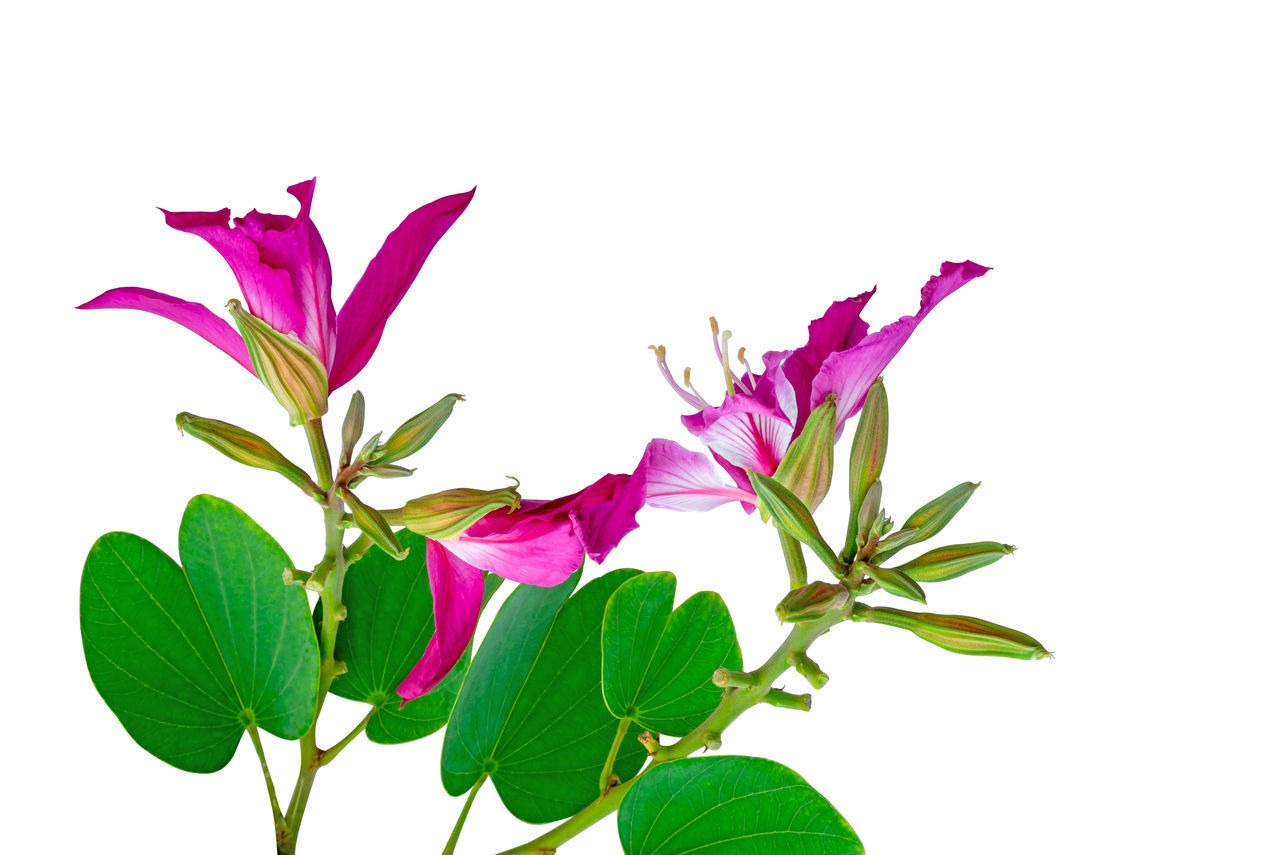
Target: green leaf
x,y
730,806
188,657
658,663
390,619
531,714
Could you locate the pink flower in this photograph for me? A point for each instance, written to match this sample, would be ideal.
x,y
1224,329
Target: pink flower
x,y
762,413
283,270
541,544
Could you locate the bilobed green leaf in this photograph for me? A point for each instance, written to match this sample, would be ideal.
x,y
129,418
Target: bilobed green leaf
x,y
188,657
730,806
531,714
658,663
389,621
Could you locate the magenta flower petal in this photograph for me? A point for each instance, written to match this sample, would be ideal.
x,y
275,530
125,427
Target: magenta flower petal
x,y
678,479
458,591
195,317
267,290
605,512
534,551
745,431
848,374
385,282
840,328
294,245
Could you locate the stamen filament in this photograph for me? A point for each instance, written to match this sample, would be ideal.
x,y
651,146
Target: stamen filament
x,y
693,400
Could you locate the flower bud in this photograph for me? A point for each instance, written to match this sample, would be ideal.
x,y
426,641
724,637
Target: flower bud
x,y
387,470
374,525
948,562
894,581
933,517
445,515
245,447
286,366
352,427
866,459
805,469
811,602
792,517
869,514
415,433
958,633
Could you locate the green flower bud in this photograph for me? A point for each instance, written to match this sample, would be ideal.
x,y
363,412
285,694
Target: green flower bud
x,y
792,517
370,445
805,469
893,542
286,366
415,433
948,562
958,633
811,602
933,517
446,515
866,459
387,470
870,516
352,427
245,447
374,525
894,581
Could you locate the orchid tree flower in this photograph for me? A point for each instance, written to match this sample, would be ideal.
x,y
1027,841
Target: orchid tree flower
x,y
542,543
763,413
282,267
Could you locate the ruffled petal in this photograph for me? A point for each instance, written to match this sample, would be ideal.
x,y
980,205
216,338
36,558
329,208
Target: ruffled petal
x,y
678,479
268,291
531,551
294,245
385,282
840,328
849,374
458,591
195,317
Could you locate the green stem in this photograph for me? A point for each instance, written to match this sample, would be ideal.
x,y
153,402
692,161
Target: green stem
x,y
462,817
796,569
276,816
320,453
607,772
332,612
329,753
733,704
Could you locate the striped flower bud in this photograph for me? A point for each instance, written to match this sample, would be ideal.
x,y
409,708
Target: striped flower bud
x,y
948,562
866,459
374,525
445,515
415,433
894,581
811,601
792,517
286,366
958,633
805,469
933,517
245,447
352,427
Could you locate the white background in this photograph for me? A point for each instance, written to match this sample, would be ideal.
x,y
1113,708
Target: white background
x,y
640,167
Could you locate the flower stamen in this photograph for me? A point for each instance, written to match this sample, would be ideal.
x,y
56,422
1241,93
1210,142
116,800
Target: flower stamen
x,y
694,399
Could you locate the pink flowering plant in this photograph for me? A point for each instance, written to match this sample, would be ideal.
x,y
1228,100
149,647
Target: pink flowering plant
x,y
234,637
